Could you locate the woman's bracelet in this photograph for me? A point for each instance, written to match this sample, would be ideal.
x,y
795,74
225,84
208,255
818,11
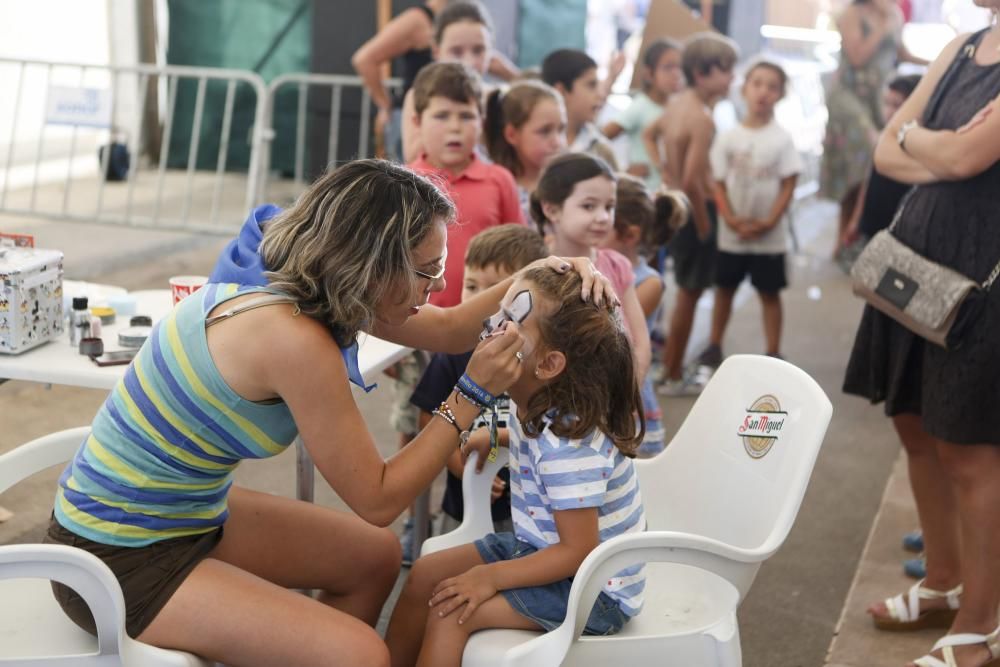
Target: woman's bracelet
x,y
470,389
471,400
445,412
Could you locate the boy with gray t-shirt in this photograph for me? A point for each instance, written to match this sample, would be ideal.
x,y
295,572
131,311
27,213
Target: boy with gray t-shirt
x,y
755,166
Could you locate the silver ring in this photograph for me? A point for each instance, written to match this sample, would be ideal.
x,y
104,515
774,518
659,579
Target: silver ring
x,y
519,355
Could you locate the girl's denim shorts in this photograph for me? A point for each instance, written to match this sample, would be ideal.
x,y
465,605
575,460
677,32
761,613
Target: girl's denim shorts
x,y
546,605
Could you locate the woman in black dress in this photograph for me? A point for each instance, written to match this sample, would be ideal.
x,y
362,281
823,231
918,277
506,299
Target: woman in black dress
x,y
945,405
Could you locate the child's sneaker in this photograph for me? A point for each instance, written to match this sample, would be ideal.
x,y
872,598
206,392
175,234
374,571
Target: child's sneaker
x,y
691,386
711,356
914,541
915,568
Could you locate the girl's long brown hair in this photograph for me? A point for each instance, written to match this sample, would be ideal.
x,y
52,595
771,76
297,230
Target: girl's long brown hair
x,y
598,389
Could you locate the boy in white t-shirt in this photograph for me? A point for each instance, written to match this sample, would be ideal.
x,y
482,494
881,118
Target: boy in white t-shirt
x,y
755,167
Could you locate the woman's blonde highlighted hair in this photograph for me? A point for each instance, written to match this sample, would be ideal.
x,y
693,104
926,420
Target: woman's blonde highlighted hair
x,y
346,242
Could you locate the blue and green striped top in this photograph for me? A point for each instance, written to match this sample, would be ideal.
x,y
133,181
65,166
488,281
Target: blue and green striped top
x,y
159,459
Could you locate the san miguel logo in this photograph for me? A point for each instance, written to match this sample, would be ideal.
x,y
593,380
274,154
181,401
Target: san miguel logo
x,y
761,426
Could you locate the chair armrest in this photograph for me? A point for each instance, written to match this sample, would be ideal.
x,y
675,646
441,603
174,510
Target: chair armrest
x,y
84,573
477,520
39,454
612,557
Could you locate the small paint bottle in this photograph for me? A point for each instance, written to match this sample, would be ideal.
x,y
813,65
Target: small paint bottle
x,y
79,321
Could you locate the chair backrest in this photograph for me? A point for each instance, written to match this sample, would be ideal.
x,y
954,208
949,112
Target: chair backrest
x,y
39,454
738,467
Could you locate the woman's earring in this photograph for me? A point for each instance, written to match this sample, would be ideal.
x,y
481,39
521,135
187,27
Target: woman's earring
x,y
536,372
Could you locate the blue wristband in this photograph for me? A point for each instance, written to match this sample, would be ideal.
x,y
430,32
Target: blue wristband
x,y
473,390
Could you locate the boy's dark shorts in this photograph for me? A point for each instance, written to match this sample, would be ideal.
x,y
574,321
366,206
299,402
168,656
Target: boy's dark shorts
x,y
767,272
694,259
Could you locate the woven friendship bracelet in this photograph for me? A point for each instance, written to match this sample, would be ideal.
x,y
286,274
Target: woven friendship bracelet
x,y
471,400
467,386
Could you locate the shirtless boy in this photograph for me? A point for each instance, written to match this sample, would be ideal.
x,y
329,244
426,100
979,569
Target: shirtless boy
x,y
687,130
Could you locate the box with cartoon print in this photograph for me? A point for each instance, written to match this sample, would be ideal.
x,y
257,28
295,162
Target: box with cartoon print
x,y
31,303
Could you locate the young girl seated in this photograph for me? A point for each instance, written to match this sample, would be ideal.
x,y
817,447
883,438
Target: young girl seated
x,y
571,434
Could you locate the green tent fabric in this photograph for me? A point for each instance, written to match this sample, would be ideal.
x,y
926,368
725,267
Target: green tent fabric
x,y
546,26
273,35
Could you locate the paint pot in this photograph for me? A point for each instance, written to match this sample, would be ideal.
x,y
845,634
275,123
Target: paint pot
x,y
134,336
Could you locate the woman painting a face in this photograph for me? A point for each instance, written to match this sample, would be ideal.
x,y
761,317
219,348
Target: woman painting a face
x,y
265,351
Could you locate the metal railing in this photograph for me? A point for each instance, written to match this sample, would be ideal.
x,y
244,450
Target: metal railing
x,y
327,108
56,168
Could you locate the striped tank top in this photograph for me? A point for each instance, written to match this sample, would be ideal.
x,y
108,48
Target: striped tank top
x,y
159,459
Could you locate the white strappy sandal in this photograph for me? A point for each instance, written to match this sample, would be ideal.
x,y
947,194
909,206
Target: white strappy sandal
x,y
905,614
948,643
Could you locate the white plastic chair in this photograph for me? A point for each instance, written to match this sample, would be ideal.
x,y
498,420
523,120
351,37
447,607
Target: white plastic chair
x,y
714,513
33,629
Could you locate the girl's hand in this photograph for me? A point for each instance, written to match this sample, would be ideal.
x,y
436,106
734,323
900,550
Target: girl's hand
x,y
498,488
471,589
495,364
479,441
595,285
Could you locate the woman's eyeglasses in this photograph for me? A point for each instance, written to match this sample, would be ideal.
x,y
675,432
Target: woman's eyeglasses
x,y
435,276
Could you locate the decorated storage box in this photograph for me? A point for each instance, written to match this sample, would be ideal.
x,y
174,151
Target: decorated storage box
x,y
31,303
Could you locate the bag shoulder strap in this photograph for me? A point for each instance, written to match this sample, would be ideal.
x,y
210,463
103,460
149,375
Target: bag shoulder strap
x,y
967,51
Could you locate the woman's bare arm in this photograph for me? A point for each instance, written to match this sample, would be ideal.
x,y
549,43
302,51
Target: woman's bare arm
x,y
397,37
890,159
306,369
953,155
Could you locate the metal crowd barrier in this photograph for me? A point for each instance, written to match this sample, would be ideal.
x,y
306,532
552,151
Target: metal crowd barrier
x,y
57,152
66,126
330,118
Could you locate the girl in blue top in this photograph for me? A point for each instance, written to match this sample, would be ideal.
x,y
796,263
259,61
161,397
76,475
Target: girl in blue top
x,y
572,436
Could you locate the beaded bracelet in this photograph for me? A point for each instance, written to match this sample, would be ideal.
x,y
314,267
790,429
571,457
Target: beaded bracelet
x,y
471,400
468,387
444,412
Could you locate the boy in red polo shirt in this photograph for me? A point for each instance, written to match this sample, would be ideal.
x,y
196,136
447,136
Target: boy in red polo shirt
x,y
446,99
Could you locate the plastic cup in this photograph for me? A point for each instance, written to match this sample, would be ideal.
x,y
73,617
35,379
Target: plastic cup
x,y
183,286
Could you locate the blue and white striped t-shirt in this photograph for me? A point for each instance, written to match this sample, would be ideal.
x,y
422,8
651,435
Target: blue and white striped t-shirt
x,y
550,474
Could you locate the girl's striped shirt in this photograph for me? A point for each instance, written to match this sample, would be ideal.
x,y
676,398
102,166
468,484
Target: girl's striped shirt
x,y
549,474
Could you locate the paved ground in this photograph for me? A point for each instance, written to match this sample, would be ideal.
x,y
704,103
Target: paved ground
x,y
798,600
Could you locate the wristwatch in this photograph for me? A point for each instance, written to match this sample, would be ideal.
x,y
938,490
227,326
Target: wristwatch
x,y
903,130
